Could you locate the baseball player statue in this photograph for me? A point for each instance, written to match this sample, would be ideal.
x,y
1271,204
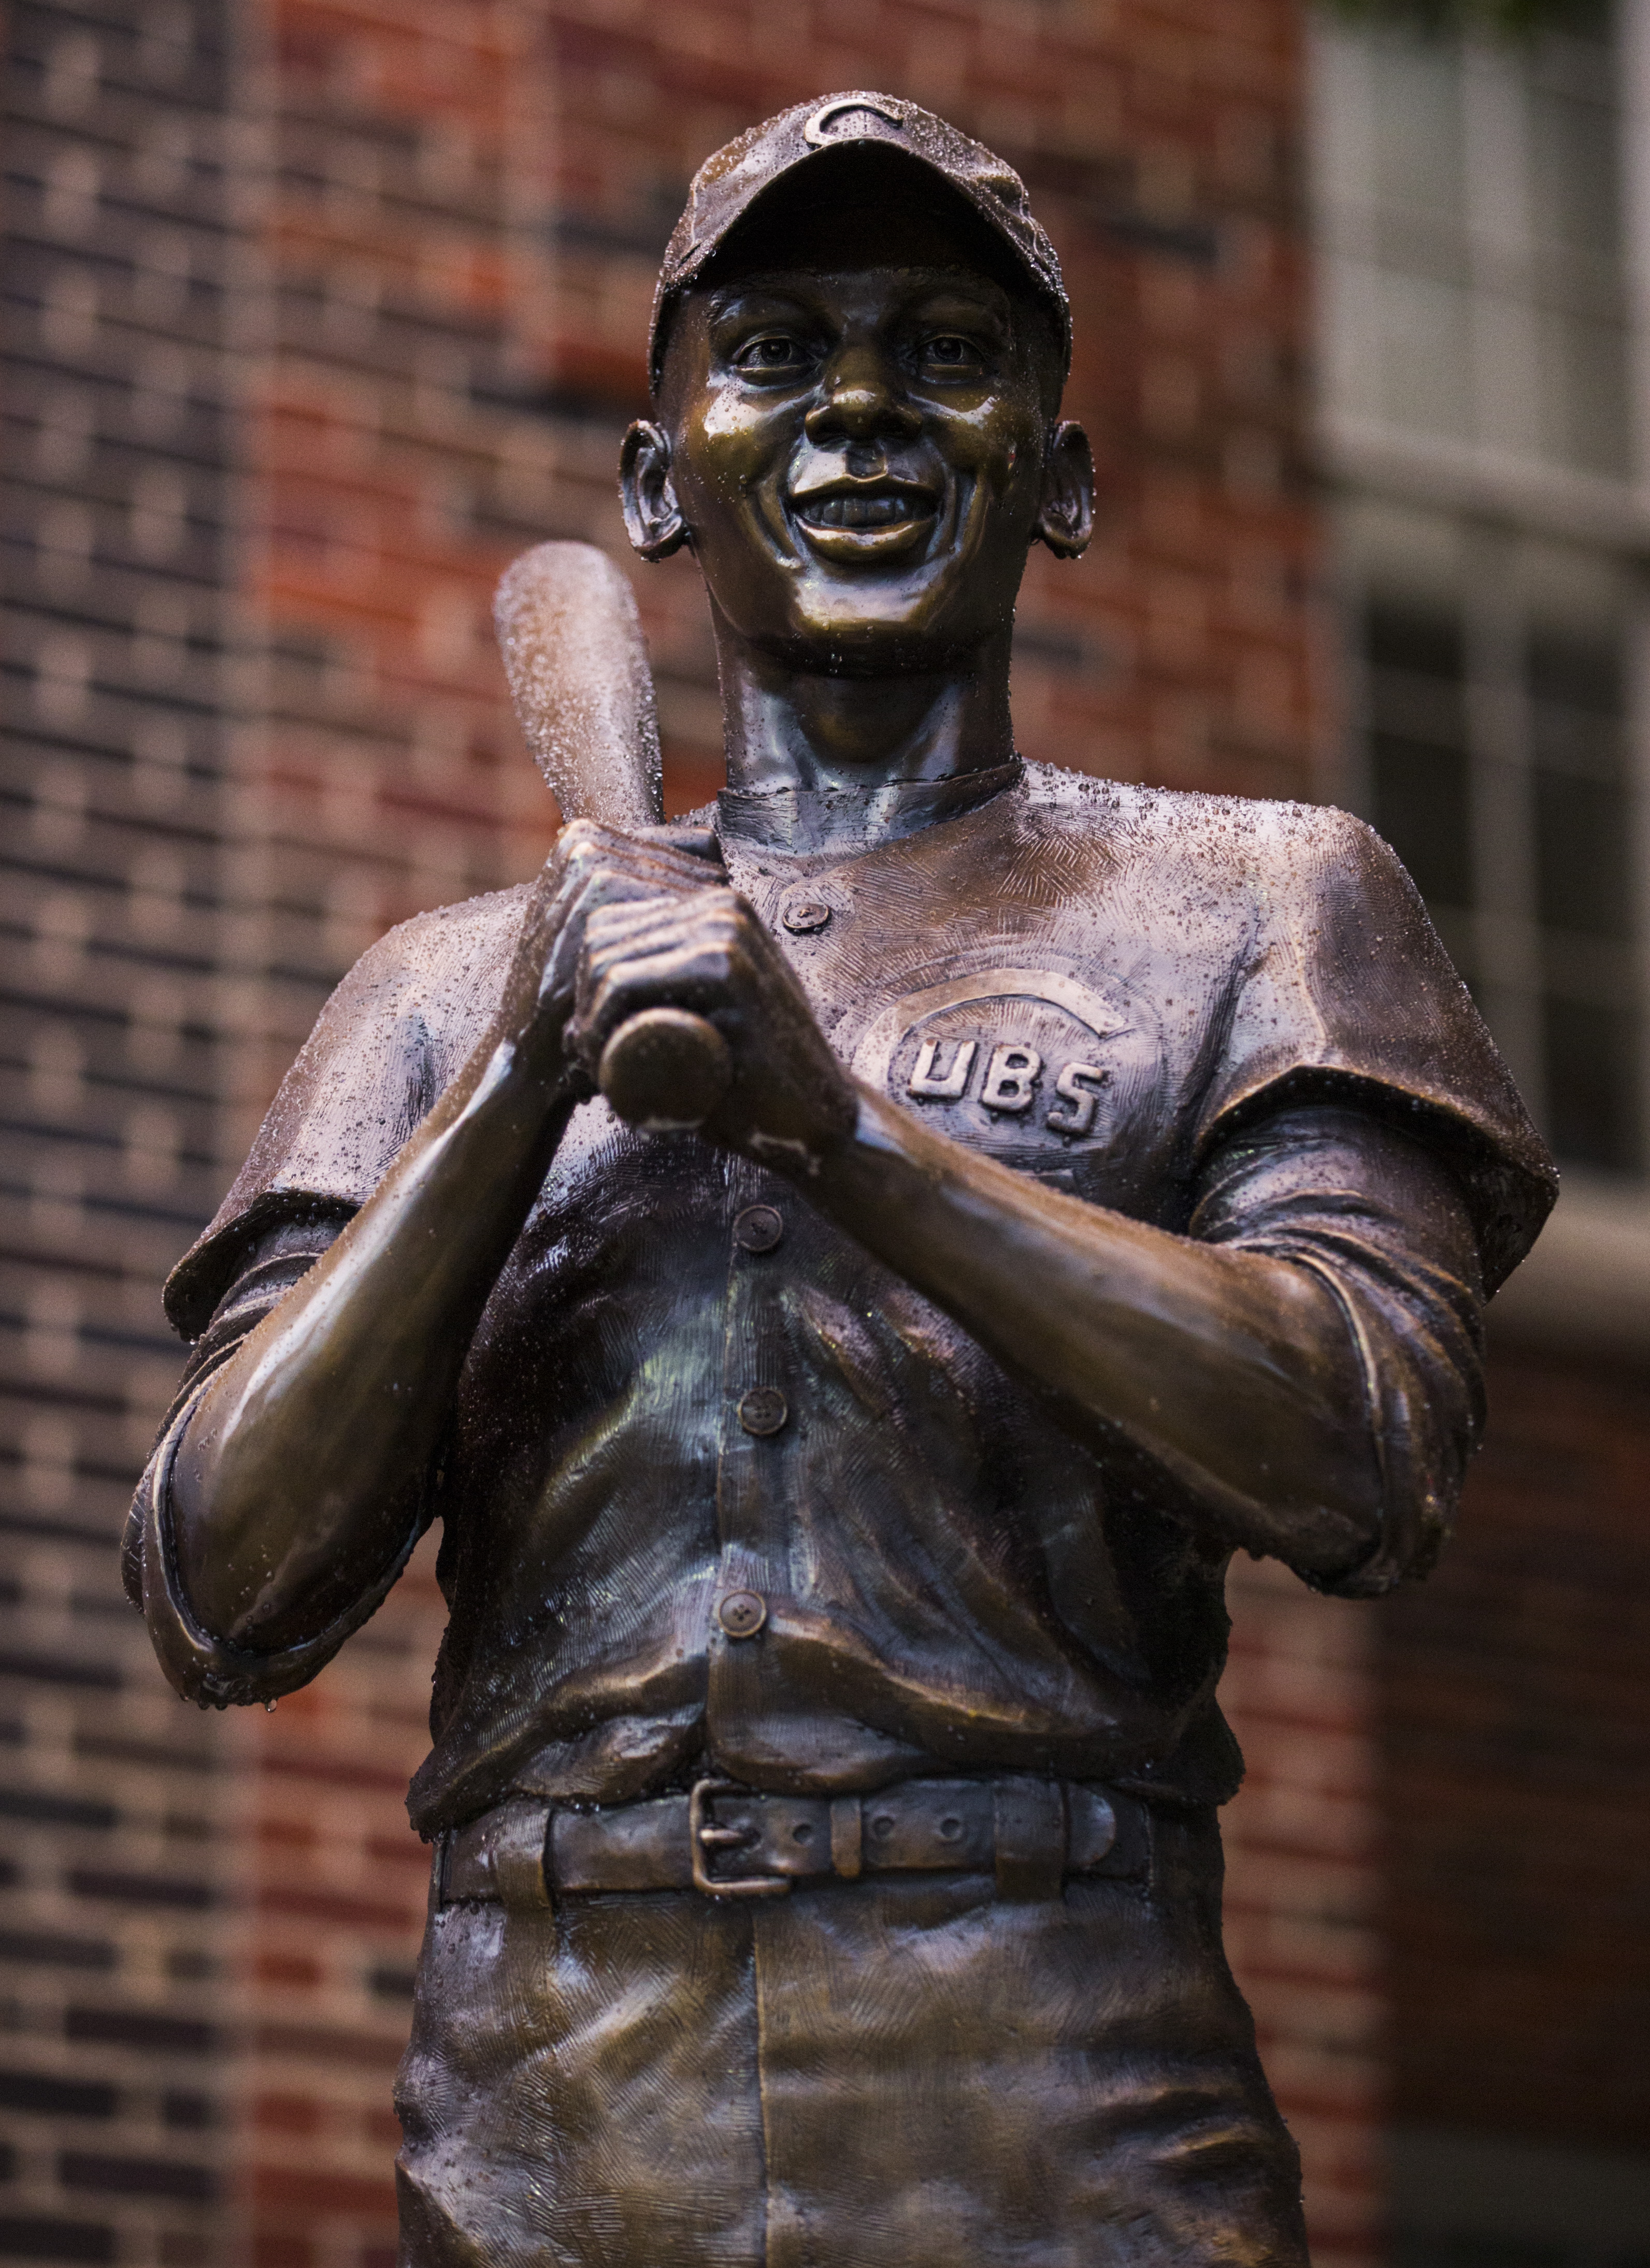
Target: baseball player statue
x,y
847,1271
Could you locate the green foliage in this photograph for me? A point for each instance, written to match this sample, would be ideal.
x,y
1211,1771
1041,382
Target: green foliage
x,y
1507,18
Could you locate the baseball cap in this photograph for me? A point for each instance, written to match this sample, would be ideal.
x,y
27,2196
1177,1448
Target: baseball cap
x,y
729,183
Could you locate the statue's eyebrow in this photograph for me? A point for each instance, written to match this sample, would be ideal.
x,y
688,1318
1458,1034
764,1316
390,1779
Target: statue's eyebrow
x,y
728,296
980,293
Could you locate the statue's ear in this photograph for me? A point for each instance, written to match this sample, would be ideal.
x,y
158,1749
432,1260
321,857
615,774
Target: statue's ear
x,y
653,518
1065,519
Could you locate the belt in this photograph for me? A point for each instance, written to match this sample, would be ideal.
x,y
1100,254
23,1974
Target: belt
x,y
726,1841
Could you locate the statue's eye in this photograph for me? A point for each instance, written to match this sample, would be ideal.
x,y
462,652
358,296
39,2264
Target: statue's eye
x,y
949,351
773,351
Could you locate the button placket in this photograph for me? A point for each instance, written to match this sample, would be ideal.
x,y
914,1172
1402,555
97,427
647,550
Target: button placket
x,y
752,1471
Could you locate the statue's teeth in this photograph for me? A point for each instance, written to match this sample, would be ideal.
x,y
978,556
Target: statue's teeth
x,y
862,510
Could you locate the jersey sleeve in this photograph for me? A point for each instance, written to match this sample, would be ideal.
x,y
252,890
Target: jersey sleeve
x,y
389,1040
1383,1222
391,1037
202,1667
1347,995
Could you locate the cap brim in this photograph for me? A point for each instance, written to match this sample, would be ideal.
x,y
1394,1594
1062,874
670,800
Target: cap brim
x,y
678,278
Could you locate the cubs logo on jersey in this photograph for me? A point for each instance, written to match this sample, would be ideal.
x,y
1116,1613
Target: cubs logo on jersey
x,y
1015,1058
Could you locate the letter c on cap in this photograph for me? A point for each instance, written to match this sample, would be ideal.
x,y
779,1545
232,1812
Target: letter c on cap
x,y
817,132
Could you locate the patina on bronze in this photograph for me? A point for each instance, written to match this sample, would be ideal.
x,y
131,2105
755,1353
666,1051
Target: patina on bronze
x,y
836,1499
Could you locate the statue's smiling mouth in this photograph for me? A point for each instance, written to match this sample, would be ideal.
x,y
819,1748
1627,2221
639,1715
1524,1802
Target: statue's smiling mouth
x,y
857,508
847,517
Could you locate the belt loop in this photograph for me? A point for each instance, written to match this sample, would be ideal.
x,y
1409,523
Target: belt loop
x,y
1029,1819
848,1835
514,1846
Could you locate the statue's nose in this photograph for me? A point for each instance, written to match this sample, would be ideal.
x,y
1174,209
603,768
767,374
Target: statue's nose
x,y
861,399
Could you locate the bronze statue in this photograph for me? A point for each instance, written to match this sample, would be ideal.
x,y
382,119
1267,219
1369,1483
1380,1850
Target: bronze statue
x,y
1023,1191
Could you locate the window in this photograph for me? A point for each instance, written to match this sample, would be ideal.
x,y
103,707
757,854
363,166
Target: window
x,y
1495,754
1469,199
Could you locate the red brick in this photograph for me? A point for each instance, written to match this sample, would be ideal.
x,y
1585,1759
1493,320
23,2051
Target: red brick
x,y
318,2195
271,2248
316,2044
286,2114
270,1968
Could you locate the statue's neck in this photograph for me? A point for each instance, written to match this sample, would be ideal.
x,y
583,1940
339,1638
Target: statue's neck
x,y
788,729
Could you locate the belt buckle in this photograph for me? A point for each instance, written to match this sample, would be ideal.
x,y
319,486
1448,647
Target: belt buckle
x,y
702,1832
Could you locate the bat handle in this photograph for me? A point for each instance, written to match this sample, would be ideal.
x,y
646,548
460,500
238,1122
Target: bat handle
x,y
665,1069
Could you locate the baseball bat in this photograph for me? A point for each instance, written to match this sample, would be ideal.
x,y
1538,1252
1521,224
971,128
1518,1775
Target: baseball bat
x,y
571,643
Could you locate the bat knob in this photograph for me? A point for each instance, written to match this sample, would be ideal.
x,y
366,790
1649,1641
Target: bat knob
x,y
666,1070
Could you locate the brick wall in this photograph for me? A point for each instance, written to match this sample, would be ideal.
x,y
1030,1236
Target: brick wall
x,y
389,478
1303,1888
332,1932
116,439
1516,1727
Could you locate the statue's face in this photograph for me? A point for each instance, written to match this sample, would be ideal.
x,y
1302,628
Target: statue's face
x,y
861,458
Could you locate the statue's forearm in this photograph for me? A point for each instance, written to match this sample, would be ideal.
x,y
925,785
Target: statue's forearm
x,y
1232,1372
292,1485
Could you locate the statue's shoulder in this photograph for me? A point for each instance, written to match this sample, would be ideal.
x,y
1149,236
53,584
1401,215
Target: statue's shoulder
x,y
1256,845
449,941
452,959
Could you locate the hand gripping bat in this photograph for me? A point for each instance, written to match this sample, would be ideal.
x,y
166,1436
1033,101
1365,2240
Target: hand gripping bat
x,y
572,649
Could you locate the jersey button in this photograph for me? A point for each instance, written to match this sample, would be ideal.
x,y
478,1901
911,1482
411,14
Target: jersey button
x,y
741,1614
803,913
759,1228
763,1410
